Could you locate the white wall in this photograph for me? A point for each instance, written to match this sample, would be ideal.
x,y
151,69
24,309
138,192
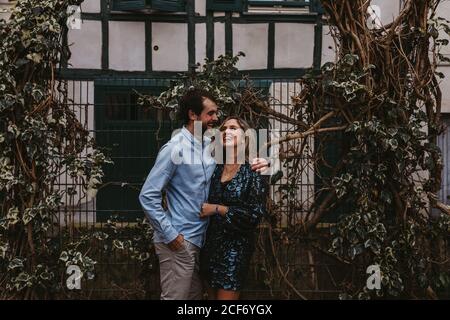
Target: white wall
x,y
328,46
91,6
219,39
200,43
5,7
172,53
444,11
127,45
389,9
252,39
294,45
445,88
200,7
86,45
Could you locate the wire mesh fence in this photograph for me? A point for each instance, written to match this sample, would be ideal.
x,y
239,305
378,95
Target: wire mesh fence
x,y
132,136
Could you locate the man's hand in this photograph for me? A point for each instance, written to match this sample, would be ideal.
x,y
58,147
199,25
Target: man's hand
x,y
207,210
177,243
260,165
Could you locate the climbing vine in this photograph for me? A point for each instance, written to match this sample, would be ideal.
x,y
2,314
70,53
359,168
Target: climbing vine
x,y
368,123
383,93
41,138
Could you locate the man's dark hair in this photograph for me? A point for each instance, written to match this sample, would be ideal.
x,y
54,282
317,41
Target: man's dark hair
x,y
193,100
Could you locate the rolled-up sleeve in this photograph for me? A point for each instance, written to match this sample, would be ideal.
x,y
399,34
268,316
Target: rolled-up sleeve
x,y
150,196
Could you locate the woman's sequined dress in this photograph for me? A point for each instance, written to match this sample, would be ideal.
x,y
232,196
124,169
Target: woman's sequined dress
x,y
229,245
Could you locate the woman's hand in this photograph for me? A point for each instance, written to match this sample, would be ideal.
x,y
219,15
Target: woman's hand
x,y
261,166
207,210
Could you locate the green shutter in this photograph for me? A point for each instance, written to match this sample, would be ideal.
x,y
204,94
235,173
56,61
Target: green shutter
x,y
316,6
225,5
162,5
128,132
169,5
130,4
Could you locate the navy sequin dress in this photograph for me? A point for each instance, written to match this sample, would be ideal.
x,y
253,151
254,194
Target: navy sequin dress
x,y
230,240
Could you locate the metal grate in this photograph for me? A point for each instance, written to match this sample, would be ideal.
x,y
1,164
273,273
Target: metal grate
x,y
107,108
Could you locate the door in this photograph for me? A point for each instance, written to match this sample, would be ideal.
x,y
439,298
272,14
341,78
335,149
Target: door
x,y
129,134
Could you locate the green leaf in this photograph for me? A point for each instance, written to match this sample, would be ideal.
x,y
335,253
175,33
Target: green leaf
x,y
35,57
16,263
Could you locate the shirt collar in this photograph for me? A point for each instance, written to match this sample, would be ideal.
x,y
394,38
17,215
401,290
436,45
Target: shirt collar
x,y
192,139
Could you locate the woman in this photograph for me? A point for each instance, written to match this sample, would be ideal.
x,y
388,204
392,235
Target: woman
x,y
236,204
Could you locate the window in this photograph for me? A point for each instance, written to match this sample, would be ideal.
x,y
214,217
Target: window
x,y
285,5
225,5
265,5
138,5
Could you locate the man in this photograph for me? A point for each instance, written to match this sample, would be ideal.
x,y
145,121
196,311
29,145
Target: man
x,y
183,169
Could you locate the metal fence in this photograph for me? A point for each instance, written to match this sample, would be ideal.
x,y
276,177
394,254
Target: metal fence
x,y
133,135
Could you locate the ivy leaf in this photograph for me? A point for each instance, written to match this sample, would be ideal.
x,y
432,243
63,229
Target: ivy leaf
x,y
276,177
64,256
15,264
118,244
35,57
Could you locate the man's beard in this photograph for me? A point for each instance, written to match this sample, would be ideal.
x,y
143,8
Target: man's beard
x,y
209,125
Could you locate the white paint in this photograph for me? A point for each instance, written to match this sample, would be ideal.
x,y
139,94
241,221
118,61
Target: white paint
x,y
5,15
219,39
74,18
172,53
91,6
86,45
127,45
444,11
5,9
252,39
374,20
389,9
445,88
200,7
294,45
444,144
328,46
200,43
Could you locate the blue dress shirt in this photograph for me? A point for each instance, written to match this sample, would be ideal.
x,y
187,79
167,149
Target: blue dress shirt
x,y
183,168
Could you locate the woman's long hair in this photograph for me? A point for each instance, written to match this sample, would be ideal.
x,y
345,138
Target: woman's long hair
x,y
249,135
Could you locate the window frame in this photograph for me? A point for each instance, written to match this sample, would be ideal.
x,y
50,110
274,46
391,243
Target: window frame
x,y
118,5
287,3
244,5
105,137
144,5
